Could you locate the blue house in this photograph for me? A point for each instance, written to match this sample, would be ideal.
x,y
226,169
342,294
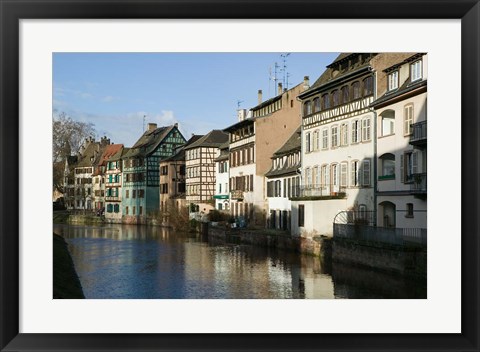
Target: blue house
x,y
141,173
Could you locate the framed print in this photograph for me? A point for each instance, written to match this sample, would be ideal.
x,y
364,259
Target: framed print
x,y
50,49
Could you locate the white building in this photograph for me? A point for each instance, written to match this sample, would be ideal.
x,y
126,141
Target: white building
x,y
282,182
401,111
222,198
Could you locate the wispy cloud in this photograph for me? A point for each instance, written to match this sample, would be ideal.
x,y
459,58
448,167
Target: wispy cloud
x,y
109,99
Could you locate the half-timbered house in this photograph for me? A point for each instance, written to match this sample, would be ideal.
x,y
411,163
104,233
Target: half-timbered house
x,y
141,174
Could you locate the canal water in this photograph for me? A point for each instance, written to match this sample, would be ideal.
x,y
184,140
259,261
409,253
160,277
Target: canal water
x,y
141,262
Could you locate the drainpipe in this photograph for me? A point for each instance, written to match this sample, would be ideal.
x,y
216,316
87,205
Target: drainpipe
x,y
375,161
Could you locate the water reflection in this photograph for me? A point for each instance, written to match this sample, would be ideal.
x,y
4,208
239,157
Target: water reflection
x,y
128,261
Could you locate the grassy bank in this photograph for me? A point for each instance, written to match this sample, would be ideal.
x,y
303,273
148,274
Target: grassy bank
x,y
65,279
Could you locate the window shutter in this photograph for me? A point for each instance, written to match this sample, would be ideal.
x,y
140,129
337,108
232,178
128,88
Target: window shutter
x,y
366,173
343,178
402,166
353,174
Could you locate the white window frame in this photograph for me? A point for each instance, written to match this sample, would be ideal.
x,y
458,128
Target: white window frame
x,y
407,119
416,71
366,129
356,129
393,80
325,138
344,134
334,136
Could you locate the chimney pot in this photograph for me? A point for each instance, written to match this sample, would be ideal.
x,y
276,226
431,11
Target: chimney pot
x,y
259,96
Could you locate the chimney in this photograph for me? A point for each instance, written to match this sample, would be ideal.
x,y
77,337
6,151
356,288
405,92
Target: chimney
x,y
259,96
306,82
152,126
280,90
241,114
176,124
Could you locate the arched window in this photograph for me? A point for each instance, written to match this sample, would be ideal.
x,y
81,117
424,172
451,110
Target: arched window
x,y
388,122
307,108
387,164
325,101
345,94
368,86
336,98
356,90
316,105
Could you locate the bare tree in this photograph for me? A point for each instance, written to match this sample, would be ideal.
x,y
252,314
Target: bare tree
x,y
68,136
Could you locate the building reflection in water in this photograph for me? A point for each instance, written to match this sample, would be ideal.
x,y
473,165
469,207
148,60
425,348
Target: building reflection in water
x,y
129,261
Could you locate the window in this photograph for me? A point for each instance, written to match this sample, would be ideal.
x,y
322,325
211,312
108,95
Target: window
x,y
344,134
126,210
325,139
301,215
317,176
316,105
409,213
365,129
388,122
324,176
416,70
307,108
366,173
368,86
393,80
219,206
140,210
356,90
408,166
345,95
116,208
356,131
134,210
334,136
336,97
354,173
326,101
388,166
134,194
308,177
307,143
141,193
407,119
334,177
109,208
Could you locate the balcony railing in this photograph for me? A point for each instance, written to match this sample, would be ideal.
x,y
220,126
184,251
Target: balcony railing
x,y
419,133
237,195
327,191
419,184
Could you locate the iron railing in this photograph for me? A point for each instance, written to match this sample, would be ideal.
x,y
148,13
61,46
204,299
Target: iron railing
x,y
318,191
419,133
419,183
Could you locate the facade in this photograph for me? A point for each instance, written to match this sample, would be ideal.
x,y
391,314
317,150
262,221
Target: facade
x,y
222,196
69,182
401,110
113,186
253,141
83,173
141,174
173,180
283,179
98,176
200,167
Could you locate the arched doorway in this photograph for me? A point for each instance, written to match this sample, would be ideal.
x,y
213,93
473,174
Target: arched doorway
x,y
388,211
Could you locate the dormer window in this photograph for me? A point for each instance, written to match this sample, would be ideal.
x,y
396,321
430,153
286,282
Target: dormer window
x,y
393,80
416,70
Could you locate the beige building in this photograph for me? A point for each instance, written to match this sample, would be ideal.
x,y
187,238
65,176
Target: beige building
x,y
200,169
401,110
253,141
113,186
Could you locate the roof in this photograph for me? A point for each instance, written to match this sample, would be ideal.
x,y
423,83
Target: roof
x,y
327,78
267,102
119,154
180,152
149,141
405,88
110,151
214,138
292,144
91,155
407,60
240,124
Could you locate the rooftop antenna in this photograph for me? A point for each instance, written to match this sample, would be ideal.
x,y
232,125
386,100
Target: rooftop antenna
x,y
144,116
238,104
284,69
273,78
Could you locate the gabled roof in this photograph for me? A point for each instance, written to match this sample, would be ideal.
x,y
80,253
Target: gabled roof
x,y
405,88
214,138
149,141
91,155
109,152
180,152
119,154
240,124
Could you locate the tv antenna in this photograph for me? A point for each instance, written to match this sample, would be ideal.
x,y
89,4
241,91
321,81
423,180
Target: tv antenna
x,y
144,116
284,69
273,78
238,104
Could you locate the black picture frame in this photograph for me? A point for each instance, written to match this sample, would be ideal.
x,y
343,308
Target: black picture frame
x,y
12,11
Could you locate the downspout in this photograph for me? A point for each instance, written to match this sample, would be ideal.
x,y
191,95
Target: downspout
x,y
375,161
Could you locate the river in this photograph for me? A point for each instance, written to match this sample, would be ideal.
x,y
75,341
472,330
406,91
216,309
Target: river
x,y
142,262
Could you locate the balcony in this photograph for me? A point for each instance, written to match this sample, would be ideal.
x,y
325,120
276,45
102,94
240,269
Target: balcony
x,y
419,184
236,195
318,192
112,199
419,134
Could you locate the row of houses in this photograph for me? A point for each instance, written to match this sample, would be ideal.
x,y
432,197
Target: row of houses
x,y
353,141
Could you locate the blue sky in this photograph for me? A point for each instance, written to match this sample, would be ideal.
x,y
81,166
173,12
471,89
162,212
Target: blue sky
x,y
198,90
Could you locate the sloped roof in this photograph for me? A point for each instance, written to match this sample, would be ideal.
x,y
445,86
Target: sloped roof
x,y
180,153
214,138
292,144
91,155
119,154
149,141
405,88
110,151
